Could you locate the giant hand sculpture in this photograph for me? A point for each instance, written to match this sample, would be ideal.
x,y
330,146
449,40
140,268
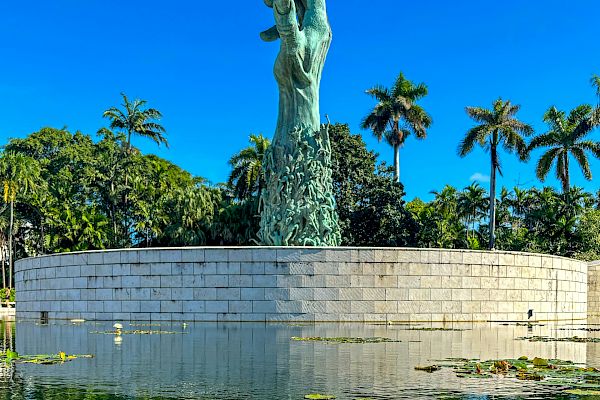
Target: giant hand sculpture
x,y
297,206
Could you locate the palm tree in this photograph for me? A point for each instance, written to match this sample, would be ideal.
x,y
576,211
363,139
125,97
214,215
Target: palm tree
x,y
566,137
472,205
396,115
247,177
135,119
496,127
19,175
595,81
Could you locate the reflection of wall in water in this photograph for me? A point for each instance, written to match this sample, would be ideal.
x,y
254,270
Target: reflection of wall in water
x,y
206,359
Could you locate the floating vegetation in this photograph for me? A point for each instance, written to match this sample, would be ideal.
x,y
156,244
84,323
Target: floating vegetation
x,y
547,339
437,329
345,339
574,379
12,357
119,332
144,325
317,396
580,329
430,368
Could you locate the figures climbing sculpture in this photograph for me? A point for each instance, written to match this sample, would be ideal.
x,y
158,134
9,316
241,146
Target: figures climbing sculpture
x,y
297,206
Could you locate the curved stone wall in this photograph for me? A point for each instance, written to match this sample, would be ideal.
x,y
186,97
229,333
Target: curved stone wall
x,y
594,289
301,284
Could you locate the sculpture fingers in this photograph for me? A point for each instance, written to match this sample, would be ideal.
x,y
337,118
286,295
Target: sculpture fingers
x,y
316,14
286,18
270,35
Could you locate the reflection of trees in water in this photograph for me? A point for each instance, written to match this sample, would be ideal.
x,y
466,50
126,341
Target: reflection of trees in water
x,y
7,343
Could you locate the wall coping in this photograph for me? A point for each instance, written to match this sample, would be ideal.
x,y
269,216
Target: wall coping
x,y
307,249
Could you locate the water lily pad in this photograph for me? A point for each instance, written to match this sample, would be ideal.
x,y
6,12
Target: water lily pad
x,y
317,396
345,339
430,368
581,392
540,362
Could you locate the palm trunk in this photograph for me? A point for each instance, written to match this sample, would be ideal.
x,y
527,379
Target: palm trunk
x,y
2,255
566,179
397,163
10,245
493,200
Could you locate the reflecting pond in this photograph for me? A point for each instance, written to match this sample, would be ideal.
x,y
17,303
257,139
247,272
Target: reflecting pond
x,y
261,361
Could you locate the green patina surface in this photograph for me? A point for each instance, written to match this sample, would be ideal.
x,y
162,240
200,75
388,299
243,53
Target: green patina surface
x,y
297,205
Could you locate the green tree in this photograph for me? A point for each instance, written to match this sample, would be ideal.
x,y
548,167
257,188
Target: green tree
x,y
566,138
136,119
247,177
397,115
370,204
19,174
496,127
472,206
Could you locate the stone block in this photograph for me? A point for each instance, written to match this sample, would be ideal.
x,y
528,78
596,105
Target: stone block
x,y
441,294
240,307
104,270
173,281
473,258
395,294
252,294
254,268
302,293
160,268
409,282
419,294
171,306
240,255
111,282
150,281
216,255
130,281
192,256
205,294
419,269
182,294
104,294
269,281
430,282
350,294
240,281
121,294
274,268
409,256
149,256
276,294
206,268
264,255
182,268
140,293
461,294
160,294
263,306
130,256
386,281
216,281
150,306
193,306
131,306
111,257
228,294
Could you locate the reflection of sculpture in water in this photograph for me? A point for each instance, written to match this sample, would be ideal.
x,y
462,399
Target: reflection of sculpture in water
x,y
297,206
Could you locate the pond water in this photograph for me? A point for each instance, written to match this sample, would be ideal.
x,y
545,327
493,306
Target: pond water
x,y
258,361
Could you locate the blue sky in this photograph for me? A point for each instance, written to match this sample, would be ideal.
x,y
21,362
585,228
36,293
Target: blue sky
x,y
203,65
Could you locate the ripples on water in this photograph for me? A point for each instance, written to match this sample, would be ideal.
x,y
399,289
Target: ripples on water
x,y
258,361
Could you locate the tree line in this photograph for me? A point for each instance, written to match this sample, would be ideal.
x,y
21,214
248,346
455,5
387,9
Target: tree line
x,y
65,191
